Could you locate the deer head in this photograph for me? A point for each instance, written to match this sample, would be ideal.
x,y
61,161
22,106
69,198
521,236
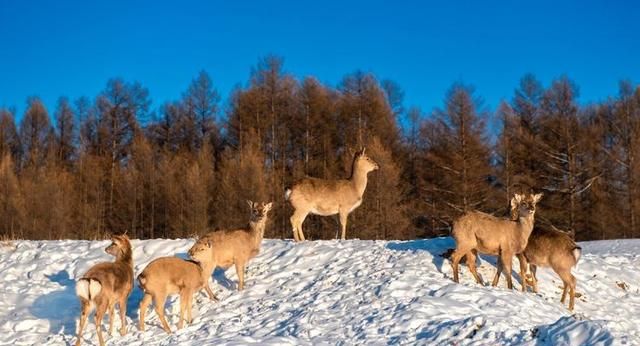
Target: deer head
x,y
524,206
259,211
364,162
199,252
120,246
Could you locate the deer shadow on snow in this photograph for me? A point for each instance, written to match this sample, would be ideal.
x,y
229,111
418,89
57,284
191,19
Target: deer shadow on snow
x,y
441,249
436,247
62,307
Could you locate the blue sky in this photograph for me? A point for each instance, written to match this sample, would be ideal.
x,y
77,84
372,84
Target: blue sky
x,y
71,48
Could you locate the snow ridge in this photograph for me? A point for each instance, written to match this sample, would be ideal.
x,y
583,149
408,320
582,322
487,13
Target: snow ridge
x,y
332,292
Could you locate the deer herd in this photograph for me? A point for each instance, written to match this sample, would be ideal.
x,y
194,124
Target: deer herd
x,y
109,283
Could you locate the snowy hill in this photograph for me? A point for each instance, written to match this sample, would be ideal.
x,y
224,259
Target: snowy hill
x,y
329,292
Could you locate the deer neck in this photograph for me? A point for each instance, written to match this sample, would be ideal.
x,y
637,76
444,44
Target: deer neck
x,y
359,180
526,227
257,229
126,258
206,269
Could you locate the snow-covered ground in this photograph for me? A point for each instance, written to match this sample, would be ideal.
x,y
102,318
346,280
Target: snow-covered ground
x,y
331,292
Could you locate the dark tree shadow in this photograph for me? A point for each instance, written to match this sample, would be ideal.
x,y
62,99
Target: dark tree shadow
x,y
61,308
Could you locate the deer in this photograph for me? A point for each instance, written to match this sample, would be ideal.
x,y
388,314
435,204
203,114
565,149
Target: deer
x,y
548,248
106,284
165,276
327,197
487,234
237,247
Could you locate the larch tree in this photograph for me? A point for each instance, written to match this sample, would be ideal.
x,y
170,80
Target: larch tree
x,y
35,131
562,150
65,132
9,138
458,155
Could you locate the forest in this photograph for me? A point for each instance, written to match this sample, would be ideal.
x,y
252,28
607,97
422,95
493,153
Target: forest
x,y
113,163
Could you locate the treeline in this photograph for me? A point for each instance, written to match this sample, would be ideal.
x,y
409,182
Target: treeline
x,y
111,163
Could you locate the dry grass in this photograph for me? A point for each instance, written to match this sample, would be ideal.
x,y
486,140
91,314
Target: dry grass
x,y
6,241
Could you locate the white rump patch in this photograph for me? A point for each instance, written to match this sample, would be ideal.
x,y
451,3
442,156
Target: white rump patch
x,y
576,254
88,288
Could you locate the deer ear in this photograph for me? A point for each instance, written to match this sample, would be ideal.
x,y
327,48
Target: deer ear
x,y
537,197
268,206
514,202
250,203
518,197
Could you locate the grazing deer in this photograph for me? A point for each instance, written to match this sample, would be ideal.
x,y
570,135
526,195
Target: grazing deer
x,y
106,284
165,276
548,248
487,234
227,247
329,197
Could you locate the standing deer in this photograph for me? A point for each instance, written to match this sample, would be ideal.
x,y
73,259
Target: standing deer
x,y
329,197
487,234
106,284
227,247
165,276
548,248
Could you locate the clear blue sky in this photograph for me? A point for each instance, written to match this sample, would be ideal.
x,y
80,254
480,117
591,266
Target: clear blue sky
x,y
71,48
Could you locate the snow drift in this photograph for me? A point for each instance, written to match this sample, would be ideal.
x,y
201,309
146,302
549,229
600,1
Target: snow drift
x,y
331,292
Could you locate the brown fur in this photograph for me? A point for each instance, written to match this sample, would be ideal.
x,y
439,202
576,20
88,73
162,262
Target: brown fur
x,y
165,276
549,248
487,234
231,247
329,197
116,282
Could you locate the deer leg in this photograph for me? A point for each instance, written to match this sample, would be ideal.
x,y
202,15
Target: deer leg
x,y
506,259
189,307
297,219
122,305
293,227
523,271
534,278
572,292
343,224
456,256
183,308
100,310
112,308
146,300
158,300
496,278
471,263
210,292
84,315
240,272
569,282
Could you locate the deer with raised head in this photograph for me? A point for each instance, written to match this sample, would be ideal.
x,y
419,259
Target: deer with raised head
x,y
487,234
330,196
165,276
231,247
106,284
548,248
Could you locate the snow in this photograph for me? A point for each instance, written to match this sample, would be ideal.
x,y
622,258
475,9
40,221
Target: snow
x,y
332,292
